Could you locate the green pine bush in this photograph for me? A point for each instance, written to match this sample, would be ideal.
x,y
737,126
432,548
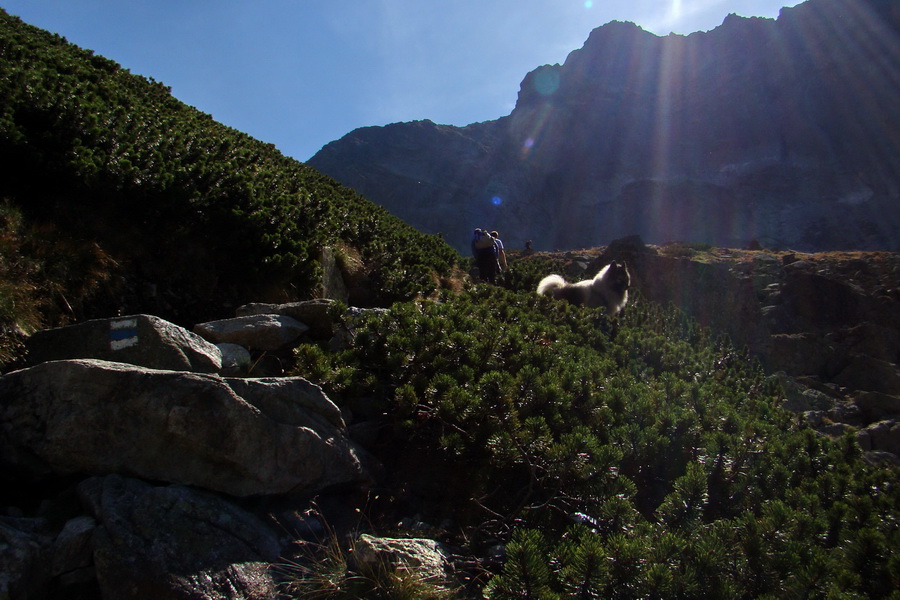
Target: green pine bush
x,y
630,458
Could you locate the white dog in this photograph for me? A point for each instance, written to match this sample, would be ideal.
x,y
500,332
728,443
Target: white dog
x,y
608,288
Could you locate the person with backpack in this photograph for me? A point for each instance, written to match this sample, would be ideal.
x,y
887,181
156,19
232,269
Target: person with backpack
x,y
500,251
485,253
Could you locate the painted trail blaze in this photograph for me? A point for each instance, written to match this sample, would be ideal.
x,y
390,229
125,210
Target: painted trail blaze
x,y
123,334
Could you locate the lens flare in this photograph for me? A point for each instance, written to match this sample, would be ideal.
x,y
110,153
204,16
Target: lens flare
x,y
536,128
546,81
496,200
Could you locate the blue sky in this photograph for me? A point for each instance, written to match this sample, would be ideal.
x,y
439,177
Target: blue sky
x,y
301,73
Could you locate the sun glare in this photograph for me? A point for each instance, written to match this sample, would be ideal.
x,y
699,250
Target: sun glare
x,y
683,17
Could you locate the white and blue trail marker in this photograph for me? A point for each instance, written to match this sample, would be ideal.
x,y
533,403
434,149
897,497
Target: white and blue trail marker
x,y
123,334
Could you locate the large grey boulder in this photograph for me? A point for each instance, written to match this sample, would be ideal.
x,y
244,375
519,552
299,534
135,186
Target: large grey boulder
x,y
174,542
256,332
95,417
142,340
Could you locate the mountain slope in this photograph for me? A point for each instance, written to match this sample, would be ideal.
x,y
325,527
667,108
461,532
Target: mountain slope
x,y
194,215
783,131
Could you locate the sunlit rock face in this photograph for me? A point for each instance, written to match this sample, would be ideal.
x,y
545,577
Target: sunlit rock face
x,y
782,131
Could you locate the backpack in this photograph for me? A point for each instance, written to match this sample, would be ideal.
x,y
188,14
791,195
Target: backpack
x,y
482,240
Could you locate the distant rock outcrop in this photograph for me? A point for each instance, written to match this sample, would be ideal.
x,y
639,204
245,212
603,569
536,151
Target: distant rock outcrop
x,y
784,131
829,323
833,317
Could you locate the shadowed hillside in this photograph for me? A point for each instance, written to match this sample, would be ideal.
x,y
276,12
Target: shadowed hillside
x,y
183,213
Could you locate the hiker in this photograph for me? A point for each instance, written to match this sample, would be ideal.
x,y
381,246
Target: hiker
x,y
501,253
485,253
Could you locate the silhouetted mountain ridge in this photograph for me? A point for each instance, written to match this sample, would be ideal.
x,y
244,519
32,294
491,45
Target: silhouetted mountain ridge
x,y
785,131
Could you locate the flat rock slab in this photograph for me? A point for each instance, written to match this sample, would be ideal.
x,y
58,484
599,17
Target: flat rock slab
x,y
255,332
314,313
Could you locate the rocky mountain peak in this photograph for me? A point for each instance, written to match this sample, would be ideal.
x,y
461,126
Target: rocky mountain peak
x,y
783,131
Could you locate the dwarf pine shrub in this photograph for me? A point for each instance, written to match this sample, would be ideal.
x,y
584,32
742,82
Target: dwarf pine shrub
x,y
647,457
525,273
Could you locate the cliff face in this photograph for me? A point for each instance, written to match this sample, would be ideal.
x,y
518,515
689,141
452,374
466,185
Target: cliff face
x,y
784,131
